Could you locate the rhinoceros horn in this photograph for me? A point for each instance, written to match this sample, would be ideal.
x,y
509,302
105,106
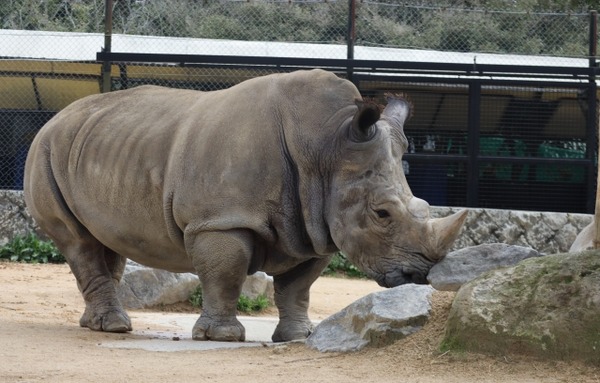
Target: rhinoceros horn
x,y
445,231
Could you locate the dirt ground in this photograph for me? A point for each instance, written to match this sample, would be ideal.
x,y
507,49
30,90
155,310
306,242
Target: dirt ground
x,y
40,340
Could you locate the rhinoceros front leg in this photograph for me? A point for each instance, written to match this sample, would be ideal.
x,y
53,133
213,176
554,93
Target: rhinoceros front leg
x,y
221,260
292,295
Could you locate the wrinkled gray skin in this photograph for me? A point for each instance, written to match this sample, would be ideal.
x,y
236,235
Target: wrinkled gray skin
x,y
274,174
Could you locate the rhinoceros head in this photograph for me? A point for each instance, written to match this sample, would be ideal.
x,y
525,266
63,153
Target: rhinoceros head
x,y
373,216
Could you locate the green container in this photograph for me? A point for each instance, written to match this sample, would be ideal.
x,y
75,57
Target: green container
x,y
495,146
560,173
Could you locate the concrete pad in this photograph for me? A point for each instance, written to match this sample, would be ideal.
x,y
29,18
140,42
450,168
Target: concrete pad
x,y
169,332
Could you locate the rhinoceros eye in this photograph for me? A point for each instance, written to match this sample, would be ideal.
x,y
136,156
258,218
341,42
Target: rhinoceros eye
x,y
382,213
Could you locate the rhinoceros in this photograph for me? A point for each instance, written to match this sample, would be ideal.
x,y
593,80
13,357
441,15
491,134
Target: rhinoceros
x,y
274,174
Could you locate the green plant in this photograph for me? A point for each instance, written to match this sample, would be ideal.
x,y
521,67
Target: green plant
x,y
244,304
450,343
195,298
340,265
31,249
249,305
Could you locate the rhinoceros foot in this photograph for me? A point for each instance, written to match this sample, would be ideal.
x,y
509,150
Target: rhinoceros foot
x,y
224,330
112,320
292,330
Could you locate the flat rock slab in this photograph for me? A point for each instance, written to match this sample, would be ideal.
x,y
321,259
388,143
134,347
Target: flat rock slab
x,y
464,265
375,320
171,332
167,345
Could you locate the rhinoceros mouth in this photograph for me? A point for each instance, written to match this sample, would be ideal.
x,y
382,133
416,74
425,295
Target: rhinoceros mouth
x,y
400,277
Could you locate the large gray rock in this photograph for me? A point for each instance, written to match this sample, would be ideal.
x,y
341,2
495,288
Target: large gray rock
x,y
143,287
462,266
375,320
546,307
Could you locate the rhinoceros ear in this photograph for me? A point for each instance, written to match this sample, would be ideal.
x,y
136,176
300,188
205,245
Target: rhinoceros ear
x,y
397,110
363,123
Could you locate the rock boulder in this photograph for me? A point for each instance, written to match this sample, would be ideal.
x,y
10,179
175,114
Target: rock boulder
x,y
464,265
546,306
375,320
143,287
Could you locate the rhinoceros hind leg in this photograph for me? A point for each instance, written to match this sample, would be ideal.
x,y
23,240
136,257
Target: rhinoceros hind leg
x,y
219,330
98,271
116,320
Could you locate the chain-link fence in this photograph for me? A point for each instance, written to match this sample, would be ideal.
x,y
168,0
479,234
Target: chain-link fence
x,y
519,29
324,29
48,58
520,132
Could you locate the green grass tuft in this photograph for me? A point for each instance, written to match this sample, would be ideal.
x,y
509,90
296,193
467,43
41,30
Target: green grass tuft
x,y
195,298
245,304
340,265
31,249
250,305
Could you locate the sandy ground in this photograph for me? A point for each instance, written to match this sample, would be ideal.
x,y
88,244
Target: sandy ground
x,y
40,340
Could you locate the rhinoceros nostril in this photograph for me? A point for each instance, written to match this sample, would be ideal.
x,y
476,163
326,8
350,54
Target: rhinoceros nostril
x,y
394,278
402,277
419,279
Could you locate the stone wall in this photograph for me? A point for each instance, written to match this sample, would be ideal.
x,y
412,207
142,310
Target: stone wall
x,y
14,217
546,232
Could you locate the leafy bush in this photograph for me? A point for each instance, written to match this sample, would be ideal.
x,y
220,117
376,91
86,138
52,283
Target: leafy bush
x,y
195,298
249,305
31,249
340,265
244,304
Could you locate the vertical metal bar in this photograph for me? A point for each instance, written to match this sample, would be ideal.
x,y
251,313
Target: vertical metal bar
x,y
591,147
36,91
593,39
474,119
124,79
593,189
106,65
593,202
351,36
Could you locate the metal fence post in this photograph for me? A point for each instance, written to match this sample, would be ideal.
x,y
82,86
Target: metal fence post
x,y
106,65
593,203
351,36
593,43
474,115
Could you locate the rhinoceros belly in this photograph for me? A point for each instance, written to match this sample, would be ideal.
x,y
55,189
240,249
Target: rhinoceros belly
x,y
137,238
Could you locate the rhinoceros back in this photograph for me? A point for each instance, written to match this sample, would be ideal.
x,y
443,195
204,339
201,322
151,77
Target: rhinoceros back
x,y
115,162
135,169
